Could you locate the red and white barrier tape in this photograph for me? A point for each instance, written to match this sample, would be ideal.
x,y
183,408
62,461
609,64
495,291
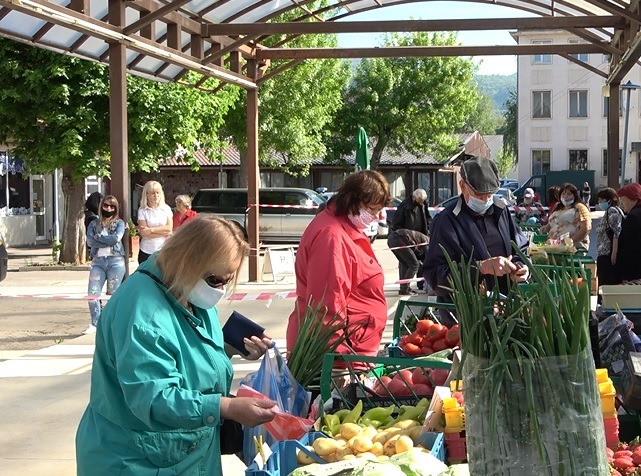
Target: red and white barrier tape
x,y
238,296
432,209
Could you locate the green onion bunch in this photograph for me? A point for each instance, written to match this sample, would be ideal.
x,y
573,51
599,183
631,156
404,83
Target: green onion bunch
x,y
531,399
318,335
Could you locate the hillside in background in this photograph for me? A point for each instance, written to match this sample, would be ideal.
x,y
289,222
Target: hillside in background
x,y
498,87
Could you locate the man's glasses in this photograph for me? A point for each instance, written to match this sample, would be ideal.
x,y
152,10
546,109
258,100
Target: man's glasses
x,y
109,205
216,281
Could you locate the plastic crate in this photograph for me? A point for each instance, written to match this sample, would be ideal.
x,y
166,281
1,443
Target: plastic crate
x,y
410,311
627,297
283,458
348,378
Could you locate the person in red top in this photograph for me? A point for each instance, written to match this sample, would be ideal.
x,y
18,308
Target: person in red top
x,y
335,264
183,210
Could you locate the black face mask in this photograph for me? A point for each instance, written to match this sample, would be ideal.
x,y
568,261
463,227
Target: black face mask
x,y
108,213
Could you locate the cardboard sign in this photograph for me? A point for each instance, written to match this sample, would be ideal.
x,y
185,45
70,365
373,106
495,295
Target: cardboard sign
x,y
279,263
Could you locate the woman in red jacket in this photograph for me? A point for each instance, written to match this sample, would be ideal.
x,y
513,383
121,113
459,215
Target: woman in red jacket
x,y
336,266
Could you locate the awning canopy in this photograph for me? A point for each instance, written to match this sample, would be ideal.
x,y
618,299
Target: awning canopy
x,y
164,40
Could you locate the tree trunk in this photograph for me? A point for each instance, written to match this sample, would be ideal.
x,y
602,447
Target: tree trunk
x,y
73,233
377,153
243,169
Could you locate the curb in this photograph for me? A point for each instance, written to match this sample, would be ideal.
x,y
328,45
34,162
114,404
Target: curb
x,y
54,268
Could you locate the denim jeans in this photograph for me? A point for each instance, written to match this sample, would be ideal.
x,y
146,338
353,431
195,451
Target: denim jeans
x,y
104,268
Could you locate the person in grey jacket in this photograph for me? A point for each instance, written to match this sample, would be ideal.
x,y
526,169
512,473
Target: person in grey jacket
x,y
104,238
411,246
412,213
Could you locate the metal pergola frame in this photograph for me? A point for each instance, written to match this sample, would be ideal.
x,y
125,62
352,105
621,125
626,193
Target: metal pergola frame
x,y
222,40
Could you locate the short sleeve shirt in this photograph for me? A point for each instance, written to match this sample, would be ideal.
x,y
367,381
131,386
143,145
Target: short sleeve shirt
x,y
154,217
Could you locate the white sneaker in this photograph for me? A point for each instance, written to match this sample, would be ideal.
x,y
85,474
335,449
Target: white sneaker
x,y
89,330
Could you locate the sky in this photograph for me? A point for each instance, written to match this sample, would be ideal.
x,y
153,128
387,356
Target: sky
x,y
445,10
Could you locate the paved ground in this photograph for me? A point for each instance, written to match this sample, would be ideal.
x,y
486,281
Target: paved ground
x,y
45,362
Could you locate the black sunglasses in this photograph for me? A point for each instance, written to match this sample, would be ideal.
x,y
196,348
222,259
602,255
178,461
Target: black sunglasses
x,y
109,205
216,281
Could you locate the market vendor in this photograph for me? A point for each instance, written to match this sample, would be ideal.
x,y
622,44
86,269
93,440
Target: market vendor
x,y
336,266
476,226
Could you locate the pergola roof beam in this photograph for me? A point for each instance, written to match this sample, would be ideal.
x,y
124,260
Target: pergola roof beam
x,y
151,17
413,25
421,51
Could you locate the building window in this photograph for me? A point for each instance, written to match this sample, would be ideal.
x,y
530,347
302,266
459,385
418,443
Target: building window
x,y
579,56
541,58
604,165
541,104
540,161
606,105
578,103
578,159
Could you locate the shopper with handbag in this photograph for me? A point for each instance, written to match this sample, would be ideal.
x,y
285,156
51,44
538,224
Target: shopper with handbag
x,y
607,236
161,378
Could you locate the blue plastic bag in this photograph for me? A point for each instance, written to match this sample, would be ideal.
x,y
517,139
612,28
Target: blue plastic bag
x,y
274,380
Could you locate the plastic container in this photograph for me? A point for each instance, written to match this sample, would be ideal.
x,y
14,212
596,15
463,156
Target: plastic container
x,y
283,458
602,375
408,312
454,414
435,442
611,426
625,296
455,447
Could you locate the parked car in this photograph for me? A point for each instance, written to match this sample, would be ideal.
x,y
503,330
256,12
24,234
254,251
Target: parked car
x,y
4,258
278,223
390,213
512,184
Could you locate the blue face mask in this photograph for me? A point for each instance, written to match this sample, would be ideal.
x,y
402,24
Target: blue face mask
x,y
604,205
479,206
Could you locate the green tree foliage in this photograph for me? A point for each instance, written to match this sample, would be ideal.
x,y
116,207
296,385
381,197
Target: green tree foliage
x,y
483,118
295,107
411,104
511,125
505,162
498,87
54,113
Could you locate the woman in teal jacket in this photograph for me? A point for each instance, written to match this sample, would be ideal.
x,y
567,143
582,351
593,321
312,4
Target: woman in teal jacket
x,y
161,378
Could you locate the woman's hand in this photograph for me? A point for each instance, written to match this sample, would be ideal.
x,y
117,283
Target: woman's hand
x,y
144,230
247,411
257,346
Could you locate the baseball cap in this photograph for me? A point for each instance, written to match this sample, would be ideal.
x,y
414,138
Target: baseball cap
x,y
529,193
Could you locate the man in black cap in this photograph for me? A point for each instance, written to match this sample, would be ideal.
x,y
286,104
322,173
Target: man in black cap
x,y
477,226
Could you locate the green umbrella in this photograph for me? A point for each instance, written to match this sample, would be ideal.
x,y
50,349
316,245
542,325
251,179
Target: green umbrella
x,y
362,150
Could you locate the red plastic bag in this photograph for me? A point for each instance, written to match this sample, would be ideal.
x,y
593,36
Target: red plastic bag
x,y
284,426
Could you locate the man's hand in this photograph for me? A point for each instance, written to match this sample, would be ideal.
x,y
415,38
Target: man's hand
x,y
521,274
498,266
247,411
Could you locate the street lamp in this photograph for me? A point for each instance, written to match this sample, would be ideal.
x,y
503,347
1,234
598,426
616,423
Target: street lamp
x,y
629,86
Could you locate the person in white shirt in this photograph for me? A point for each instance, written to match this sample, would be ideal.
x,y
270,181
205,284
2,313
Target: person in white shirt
x,y
155,220
104,238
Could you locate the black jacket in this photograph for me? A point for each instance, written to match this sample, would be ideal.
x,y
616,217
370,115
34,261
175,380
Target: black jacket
x,y
411,216
412,237
629,254
455,230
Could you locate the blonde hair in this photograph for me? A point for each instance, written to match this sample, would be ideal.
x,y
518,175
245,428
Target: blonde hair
x,y
151,186
199,248
184,199
114,217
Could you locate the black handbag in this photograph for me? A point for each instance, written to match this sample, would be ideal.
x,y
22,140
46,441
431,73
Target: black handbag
x,y
231,437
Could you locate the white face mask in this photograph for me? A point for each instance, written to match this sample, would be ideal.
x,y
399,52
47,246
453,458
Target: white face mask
x,y
479,206
204,296
363,219
567,201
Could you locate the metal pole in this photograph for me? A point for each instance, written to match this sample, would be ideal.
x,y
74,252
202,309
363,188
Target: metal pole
x,y
625,135
56,223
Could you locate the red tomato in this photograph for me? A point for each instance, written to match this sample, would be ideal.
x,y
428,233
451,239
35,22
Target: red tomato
x,y
439,345
415,338
419,377
434,333
404,375
398,388
411,349
422,389
439,376
427,350
423,326
452,336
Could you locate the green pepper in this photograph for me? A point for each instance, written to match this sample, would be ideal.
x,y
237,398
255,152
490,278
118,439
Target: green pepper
x,y
409,413
367,422
354,414
423,402
332,422
378,413
342,413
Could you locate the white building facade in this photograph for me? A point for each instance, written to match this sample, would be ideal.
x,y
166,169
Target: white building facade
x,y
562,112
